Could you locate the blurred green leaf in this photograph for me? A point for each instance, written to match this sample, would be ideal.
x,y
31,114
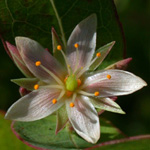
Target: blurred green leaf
x,y
41,133
8,141
132,143
34,19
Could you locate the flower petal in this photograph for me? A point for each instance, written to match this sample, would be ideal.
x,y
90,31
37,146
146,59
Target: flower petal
x,y
121,83
34,106
107,104
104,52
84,119
31,52
18,60
85,35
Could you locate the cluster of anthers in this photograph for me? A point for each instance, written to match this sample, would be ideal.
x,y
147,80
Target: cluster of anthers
x,y
73,82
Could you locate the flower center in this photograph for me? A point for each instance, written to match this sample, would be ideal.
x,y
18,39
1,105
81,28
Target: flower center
x,y
71,83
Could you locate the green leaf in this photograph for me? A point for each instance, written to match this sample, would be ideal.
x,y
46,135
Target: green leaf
x,y
141,142
8,140
41,133
34,19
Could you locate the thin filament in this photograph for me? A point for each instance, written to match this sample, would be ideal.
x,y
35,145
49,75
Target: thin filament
x,y
53,75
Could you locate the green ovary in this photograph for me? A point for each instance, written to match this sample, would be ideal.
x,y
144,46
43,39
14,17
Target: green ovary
x,y
71,83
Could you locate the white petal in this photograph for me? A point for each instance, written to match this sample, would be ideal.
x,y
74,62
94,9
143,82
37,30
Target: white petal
x,y
34,106
31,52
85,35
84,119
121,83
107,104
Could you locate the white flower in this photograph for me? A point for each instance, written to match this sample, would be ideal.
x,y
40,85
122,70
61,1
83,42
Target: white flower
x,y
56,85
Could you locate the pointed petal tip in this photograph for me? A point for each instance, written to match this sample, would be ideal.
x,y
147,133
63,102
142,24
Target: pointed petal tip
x,y
52,29
17,38
93,17
20,39
122,112
142,83
8,116
113,43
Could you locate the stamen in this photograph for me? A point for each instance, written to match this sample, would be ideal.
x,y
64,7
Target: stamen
x,y
73,99
76,45
77,56
54,101
52,75
85,93
69,93
36,86
79,82
109,76
71,104
53,86
65,79
37,63
98,54
59,47
96,93
88,65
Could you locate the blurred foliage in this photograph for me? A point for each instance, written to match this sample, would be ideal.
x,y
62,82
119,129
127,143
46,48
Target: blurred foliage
x,y
8,140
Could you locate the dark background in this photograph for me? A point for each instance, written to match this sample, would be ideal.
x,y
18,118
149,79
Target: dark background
x,y
135,18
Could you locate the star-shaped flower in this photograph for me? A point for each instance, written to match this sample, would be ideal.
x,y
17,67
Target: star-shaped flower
x,y
54,84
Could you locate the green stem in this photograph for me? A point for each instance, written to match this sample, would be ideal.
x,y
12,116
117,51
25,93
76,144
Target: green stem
x,y
59,23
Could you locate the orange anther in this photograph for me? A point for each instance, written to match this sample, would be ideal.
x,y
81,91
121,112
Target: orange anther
x,y
76,45
65,79
79,82
54,101
109,76
71,104
37,63
59,47
98,54
96,93
69,93
36,86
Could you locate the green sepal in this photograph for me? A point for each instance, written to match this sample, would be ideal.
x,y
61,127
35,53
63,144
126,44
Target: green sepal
x,y
112,107
104,52
27,83
62,119
55,42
